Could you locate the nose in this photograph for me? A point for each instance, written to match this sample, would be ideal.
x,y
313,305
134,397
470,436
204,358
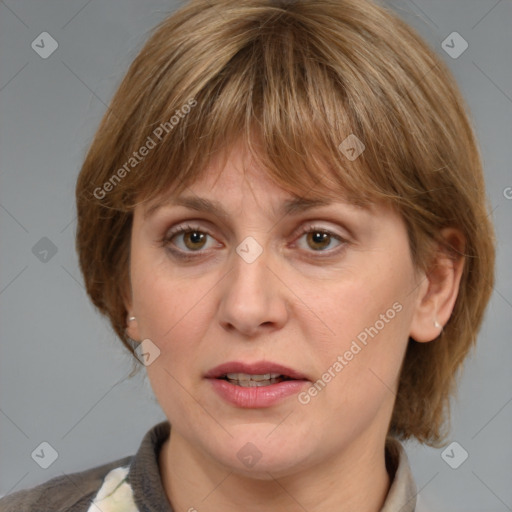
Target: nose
x,y
254,299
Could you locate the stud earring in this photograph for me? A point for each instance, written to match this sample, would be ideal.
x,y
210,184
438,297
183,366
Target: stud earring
x,y
131,318
437,325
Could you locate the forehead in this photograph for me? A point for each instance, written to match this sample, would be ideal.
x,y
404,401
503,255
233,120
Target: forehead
x,y
225,204
238,175
216,196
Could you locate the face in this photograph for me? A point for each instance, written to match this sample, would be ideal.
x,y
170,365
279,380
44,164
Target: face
x,y
315,304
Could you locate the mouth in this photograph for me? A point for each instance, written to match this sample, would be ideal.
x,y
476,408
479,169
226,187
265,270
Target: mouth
x,y
257,374
255,385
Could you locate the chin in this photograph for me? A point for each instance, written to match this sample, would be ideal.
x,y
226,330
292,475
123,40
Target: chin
x,y
259,458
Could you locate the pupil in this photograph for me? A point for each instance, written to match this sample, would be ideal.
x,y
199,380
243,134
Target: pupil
x,y
320,238
196,237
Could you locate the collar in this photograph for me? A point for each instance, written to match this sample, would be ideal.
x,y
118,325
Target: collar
x,y
402,492
149,494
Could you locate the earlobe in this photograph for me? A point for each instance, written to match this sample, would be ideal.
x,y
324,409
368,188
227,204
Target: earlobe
x,y
132,330
437,297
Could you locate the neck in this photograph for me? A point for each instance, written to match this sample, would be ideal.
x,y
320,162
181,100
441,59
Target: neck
x,y
355,480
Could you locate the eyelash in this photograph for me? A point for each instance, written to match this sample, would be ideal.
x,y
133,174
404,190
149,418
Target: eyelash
x,y
166,240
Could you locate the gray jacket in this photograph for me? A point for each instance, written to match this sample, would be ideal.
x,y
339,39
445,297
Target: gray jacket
x,y
133,484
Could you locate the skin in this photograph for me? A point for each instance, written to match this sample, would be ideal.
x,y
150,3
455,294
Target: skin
x,y
294,305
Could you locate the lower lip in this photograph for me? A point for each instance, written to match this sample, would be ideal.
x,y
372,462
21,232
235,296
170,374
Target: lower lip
x,y
256,397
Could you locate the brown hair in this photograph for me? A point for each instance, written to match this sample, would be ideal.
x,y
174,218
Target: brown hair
x,y
298,77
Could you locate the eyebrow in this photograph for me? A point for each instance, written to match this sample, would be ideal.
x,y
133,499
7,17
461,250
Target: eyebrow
x,y
288,207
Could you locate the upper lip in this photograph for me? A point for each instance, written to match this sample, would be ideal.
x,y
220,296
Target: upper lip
x,y
255,368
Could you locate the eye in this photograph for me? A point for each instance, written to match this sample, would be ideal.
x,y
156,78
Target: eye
x,y
185,240
193,239
319,239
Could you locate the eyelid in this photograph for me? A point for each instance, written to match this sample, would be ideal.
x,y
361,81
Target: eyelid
x,y
311,226
302,229
308,227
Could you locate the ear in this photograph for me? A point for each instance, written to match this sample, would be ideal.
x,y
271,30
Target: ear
x,y
440,288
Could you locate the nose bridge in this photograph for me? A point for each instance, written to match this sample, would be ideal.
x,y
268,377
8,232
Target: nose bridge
x,y
252,296
249,277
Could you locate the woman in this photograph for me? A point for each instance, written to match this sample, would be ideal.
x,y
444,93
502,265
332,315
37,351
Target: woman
x,y
283,216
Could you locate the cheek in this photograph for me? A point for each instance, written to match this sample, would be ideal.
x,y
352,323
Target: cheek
x,y
174,314
366,322
171,310
166,302
353,304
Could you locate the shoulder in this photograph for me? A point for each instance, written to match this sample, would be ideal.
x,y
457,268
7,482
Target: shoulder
x,y
73,492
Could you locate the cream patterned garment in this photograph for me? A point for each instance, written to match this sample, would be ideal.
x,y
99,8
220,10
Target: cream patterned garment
x,y
115,494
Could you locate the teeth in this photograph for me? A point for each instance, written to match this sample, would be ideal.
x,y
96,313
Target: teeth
x,y
246,380
255,383
245,377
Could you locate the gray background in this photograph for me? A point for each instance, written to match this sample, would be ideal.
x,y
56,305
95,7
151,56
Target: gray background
x,y
63,372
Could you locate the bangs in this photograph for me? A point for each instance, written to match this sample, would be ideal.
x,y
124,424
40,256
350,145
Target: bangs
x,y
275,93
